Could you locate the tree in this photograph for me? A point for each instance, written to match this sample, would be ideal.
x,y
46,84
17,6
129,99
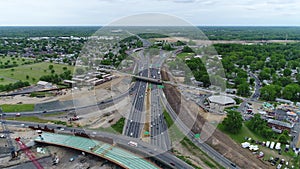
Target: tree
x,y
233,122
259,126
50,67
270,92
283,81
187,49
298,78
287,72
291,92
265,74
252,80
256,123
284,137
243,90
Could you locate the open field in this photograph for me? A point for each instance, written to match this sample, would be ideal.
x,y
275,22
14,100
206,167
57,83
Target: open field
x,y
17,107
184,55
34,72
240,137
29,119
119,125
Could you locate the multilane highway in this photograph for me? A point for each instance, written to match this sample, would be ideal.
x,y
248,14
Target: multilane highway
x,y
159,129
135,119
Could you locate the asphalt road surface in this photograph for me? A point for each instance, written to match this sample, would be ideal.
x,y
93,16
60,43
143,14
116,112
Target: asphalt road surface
x,y
158,127
144,148
134,123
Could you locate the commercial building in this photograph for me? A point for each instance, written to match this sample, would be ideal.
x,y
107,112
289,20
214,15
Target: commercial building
x,y
44,84
279,126
219,102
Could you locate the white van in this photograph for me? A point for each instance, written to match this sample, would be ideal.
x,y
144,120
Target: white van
x,y
132,143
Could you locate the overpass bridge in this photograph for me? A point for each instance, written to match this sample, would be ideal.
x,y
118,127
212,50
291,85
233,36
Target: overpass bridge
x,y
148,79
109,152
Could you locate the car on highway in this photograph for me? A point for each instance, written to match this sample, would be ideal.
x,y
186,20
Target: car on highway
x,y
18,114
132,143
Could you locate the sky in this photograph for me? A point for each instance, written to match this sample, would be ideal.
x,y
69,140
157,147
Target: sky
x,y
103,12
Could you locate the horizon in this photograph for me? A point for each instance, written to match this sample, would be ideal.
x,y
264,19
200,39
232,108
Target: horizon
x,y
195,12
150,26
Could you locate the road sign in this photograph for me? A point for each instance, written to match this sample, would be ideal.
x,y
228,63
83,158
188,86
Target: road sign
x,y
161,86
197,135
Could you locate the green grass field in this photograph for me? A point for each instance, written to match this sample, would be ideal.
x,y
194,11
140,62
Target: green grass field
x,y
17,107
34,71
29,119
118,126
184,55
240,137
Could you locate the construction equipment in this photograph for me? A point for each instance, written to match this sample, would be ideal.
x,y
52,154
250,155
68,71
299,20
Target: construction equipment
x,y
28,153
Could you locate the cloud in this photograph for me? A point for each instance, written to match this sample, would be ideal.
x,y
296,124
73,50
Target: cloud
x,y
101,12
184,1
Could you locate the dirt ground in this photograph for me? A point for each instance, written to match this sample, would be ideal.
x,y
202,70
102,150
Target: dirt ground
x,y
190,113
208,42
45,159
194,158
100,92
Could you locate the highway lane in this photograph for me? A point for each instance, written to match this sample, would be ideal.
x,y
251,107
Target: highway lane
x,y
159,130
131,90
198,142
135,120
144,148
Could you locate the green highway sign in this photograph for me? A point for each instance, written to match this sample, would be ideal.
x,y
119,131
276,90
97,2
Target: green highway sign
x,y
161,86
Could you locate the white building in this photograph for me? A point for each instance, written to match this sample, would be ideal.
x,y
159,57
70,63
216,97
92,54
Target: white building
x,y
219,102
44,84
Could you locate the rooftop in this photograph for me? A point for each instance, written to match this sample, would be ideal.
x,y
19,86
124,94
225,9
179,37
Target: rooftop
x,y
223,100
280,123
